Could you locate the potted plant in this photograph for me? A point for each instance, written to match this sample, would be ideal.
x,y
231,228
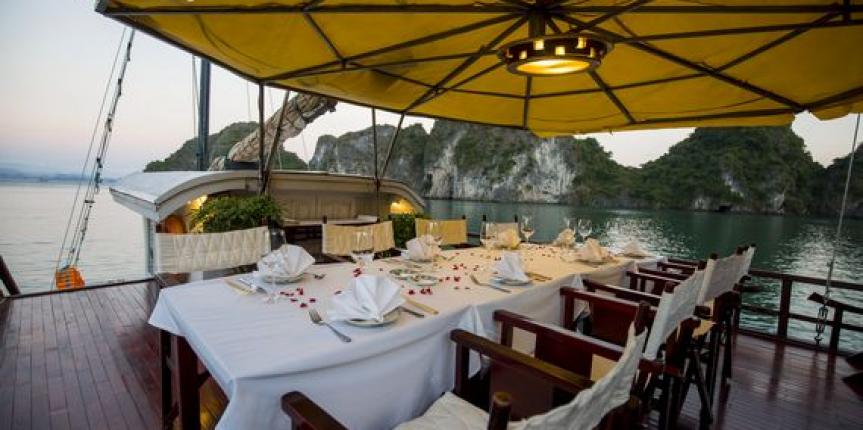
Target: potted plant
x,y
228,213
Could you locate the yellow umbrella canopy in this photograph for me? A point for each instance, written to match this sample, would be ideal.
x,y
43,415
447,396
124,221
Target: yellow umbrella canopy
x,y
656,64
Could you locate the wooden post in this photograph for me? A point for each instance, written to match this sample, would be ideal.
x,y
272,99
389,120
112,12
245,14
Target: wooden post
x,y
501,407
784,308
187,384
8,280
837,327
462,364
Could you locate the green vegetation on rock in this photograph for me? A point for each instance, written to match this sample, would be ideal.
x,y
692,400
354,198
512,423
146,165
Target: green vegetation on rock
x,y
219,143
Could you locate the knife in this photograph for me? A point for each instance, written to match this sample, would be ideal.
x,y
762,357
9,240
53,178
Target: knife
x,y
421,306
413,312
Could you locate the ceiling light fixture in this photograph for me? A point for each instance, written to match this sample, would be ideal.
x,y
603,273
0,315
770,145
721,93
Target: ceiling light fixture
x,y
552,55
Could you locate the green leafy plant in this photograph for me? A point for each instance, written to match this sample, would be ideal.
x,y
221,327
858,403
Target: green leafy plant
x,y
404,228
228,213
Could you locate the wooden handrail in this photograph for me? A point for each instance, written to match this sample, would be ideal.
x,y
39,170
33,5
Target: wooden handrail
x,y
785,315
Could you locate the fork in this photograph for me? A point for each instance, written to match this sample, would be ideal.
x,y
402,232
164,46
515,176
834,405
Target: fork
x,y
316,318
486,284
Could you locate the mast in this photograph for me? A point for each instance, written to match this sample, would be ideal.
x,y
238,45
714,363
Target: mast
x,y
204,116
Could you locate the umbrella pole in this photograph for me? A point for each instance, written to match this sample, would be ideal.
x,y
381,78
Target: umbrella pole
x,y
822,312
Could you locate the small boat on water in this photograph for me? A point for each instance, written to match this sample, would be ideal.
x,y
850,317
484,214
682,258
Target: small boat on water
x,y
618,338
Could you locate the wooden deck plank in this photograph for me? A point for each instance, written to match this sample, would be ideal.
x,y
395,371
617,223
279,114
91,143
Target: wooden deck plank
x,y
89,360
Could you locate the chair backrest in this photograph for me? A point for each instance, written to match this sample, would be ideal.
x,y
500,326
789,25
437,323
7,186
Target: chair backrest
x,y
748,254
454,230
503,226
590,406
183,253
676,305
339,239
720,277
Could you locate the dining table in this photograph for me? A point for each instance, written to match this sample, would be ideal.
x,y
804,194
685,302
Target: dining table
x,y
258,348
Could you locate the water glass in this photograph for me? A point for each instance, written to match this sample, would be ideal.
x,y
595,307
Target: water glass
x,y
567,222
363,250
435,230
526,228
487,234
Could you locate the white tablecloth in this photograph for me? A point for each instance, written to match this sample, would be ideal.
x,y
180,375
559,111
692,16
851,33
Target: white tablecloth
x,y
258,351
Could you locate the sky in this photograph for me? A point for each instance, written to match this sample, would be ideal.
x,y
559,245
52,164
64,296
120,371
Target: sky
x,y
57,58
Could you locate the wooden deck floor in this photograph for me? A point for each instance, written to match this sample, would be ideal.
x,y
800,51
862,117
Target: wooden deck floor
x,y
89,360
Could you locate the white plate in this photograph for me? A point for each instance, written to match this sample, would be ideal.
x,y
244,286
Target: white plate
x,y
276,278
388,319
424,280
510,282
402,273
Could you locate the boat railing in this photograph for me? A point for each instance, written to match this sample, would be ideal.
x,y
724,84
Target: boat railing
x,y
784,314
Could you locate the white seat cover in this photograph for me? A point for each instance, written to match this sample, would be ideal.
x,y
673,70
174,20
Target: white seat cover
x,y
183,253
674,308
720,276
585,411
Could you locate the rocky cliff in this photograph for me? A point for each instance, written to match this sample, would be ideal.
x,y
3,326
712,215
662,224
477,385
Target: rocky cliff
x,y
751,169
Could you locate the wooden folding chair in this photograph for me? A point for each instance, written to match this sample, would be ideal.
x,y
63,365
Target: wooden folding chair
x,y
524,388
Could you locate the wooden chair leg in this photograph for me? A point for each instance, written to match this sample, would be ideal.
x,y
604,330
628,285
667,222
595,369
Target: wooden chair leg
x,y
665,404
501,406
706,414
187,384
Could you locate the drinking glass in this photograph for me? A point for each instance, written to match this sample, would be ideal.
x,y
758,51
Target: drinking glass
x,y
362,250
567,222
585,227
526,228
487,235
435,230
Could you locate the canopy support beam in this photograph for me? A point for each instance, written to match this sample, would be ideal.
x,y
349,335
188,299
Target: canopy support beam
x,y
393,142
398,46
274,147
261,134
611,96
527,84
435,90
644,47
203,157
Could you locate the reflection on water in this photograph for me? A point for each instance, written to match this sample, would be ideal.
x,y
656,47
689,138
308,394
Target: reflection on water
x,y
785,244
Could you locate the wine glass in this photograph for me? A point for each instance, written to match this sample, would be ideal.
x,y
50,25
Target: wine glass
x,y
567,222
435,230
362,250
526,228
487,235
585,227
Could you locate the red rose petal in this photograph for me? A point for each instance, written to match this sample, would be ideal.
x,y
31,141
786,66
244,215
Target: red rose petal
x,y
456,288
337,292
411,292
303,305
313,300
293,300
457,278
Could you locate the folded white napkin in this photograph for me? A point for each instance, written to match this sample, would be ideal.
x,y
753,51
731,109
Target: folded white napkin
x,y
565,237
287,261
634,249
508,239
511,268
370,297
422,248
593,252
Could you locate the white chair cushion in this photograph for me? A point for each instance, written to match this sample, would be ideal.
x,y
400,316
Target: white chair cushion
x,y
449,412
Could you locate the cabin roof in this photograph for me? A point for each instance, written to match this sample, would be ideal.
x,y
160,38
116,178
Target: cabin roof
x,y
155,195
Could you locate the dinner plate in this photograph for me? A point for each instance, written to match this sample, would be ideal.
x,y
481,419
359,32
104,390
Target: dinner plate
x,y
388,319
277,279
424,280
510,282
402,273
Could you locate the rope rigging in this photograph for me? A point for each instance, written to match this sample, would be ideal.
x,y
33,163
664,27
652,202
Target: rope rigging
x,y
822,311
67,275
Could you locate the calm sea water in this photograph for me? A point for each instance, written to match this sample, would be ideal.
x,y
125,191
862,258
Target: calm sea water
x,y
33,219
